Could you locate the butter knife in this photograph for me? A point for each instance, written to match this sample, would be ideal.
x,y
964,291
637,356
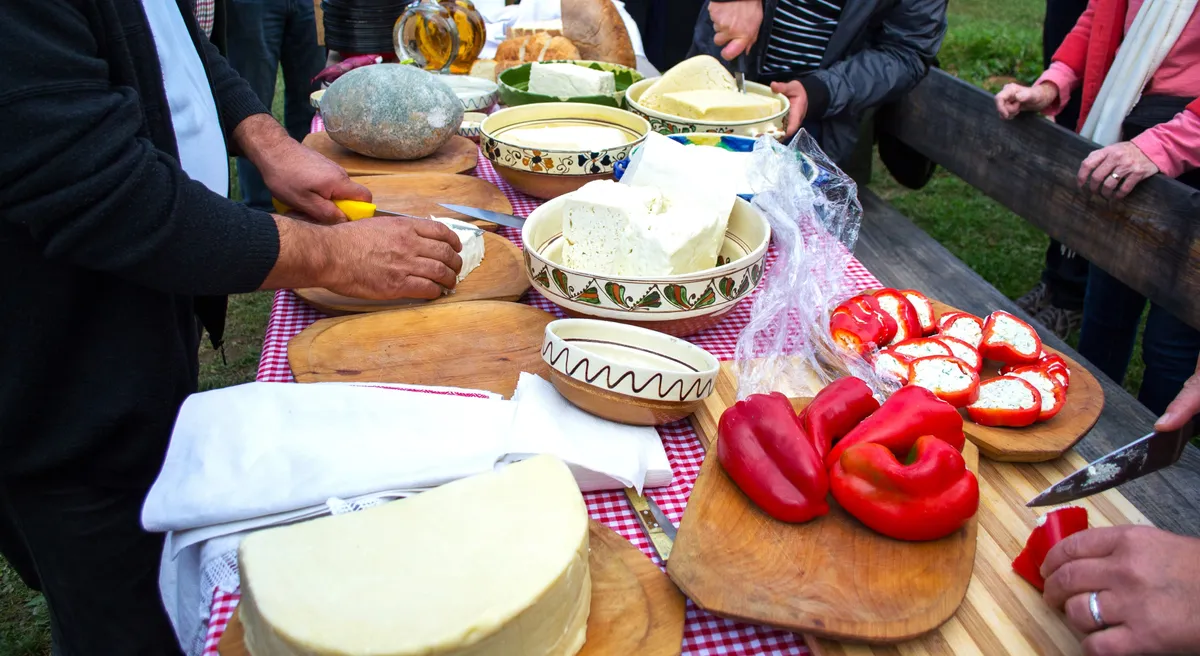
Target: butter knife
x,y
487,215
658,529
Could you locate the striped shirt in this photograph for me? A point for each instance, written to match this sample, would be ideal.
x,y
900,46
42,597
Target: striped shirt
x,y
800,33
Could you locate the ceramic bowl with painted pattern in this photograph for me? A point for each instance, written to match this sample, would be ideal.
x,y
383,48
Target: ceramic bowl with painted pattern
x,y
774,125
549,149
470,125
475,94
514,84
625,373
678,305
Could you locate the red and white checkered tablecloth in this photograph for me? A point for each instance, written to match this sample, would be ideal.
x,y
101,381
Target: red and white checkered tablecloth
x,y
704,633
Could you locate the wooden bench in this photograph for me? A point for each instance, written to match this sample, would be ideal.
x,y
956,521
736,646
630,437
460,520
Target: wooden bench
x,y
1151,242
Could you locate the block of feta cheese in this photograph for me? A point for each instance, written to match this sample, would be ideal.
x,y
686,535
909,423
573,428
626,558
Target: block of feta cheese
x,y
472,244
456,571
718,105
570,81
700,72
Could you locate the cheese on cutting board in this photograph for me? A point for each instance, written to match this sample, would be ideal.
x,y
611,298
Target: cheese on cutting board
x,y
570,81
718,105
568,136
472,244
698,73
495,564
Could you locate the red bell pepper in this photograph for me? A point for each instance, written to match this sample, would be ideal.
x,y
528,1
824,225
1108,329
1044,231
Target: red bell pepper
x,y
926,500
963,351
854,335
967,327
1006,401
922,348
1008,339
1054,395
762,446
908,414
862,308
890,363
908,324
835,410
924,310
1056,366
1053,528
949,378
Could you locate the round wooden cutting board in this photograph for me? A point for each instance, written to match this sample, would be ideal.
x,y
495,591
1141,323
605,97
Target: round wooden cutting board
x,y
459,154
500,277
635,607
419,194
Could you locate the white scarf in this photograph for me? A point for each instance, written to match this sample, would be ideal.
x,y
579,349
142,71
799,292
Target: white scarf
x,y
1152,35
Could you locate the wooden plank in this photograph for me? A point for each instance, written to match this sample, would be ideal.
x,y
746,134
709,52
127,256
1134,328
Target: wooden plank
x,y
1168,498
1150,240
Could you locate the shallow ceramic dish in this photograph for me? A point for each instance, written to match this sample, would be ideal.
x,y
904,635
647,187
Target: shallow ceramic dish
x,y
679,305
514,85
774,125
627,374
548,173
470,125
476,94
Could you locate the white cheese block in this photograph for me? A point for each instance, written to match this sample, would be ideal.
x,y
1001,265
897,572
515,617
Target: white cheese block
x,y
495,564
718,105
570,81
700,72
696,175
590,138
472,244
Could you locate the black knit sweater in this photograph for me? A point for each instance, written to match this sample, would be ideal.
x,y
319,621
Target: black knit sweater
x,y
104,240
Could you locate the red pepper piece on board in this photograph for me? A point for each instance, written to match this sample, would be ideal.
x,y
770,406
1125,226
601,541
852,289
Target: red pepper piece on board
x,y
924,310
963,351
908,414
763,448
1054,395
863,306
890,363
949,378
1009,340
922,347
868,333
1006,401
1056,366
835,410
926,500
1053,528
908,324
967,327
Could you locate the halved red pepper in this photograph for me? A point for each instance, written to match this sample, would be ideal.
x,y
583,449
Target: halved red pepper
x,y
949,378
967,327
963,351
924,310
1006,401
863,308
890,363
1051,363
835,410
1008,339
908,414
897,306
926,500
922,347
764,449
1053,528
856,336
1054,395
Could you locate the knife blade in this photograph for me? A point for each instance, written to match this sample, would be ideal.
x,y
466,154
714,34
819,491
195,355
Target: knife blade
x,y
658,529
487,215
739,76
1145,455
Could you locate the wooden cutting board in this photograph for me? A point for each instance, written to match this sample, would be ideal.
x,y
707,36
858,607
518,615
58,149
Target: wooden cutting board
x,y
831,576
419,194
500,277
635,607
1002,614
458,155
475,345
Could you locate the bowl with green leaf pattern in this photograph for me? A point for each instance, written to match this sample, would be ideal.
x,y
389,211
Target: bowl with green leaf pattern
x,y
514,85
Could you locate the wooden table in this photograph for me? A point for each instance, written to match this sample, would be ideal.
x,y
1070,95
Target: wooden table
x,y
901,255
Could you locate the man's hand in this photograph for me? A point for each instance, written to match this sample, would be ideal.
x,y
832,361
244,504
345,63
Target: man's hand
x,y
1115,170
799,100
1015,98
736,23
1148,582
300,177
1185,406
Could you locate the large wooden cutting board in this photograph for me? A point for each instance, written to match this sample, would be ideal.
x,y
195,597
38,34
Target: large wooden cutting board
x,y
419,194
458,155
635,607
500,277
1002,614
831,576
476,345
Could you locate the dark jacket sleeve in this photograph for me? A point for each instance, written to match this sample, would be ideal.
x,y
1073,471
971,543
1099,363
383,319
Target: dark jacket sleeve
x,y
80,177
235,100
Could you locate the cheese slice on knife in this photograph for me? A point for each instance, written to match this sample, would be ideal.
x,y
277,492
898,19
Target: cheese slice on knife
x,y
472,244
495,564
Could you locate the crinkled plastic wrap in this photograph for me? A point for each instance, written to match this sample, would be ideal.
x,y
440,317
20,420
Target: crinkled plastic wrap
x,y
815,216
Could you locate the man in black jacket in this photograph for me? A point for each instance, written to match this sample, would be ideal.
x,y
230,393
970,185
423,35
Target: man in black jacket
x,y
117,119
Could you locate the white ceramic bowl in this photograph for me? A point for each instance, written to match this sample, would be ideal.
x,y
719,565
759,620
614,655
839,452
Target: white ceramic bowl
x,y
678,305
470,125
625,373
476,94
774,125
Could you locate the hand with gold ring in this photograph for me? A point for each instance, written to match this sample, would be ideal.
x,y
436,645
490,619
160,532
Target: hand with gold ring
x,y
1115,170
1128,589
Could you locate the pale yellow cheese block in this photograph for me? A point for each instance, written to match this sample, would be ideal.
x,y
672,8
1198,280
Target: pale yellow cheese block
x,y
718,105
698,73
495,564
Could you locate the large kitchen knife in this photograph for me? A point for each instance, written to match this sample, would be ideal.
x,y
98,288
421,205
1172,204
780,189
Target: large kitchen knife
x,y
1143,456
658,529
487,215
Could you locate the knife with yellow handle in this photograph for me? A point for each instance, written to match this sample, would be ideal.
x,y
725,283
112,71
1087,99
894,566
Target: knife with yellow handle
x,y
353,209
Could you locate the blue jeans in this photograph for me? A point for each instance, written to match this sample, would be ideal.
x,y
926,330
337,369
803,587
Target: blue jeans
x,y
264,35
1111,313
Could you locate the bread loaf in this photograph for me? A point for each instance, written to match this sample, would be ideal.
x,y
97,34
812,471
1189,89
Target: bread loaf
x,y
539,47
596,29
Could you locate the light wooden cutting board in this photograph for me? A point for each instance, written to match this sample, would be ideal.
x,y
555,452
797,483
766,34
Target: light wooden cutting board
x,y
458,155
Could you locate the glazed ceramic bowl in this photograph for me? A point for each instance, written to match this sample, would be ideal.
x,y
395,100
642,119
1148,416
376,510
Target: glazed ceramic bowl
x,y
514,85
678,305
627,374
551,172
470,125
774,125
476,94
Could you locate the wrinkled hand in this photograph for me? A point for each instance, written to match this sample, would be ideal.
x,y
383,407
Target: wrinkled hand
x,y
1115,170
736,23
1149,589
392,257
799,100
306,180
1015,98
1185,406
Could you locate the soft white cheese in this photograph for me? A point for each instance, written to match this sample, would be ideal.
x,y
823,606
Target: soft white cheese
x,y
964,352
697,73
570,81
1004,392
891,305
472,244
923,308
588,138
1043,383
921,349
1006,329
940,375
967,329
718,105
888,364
